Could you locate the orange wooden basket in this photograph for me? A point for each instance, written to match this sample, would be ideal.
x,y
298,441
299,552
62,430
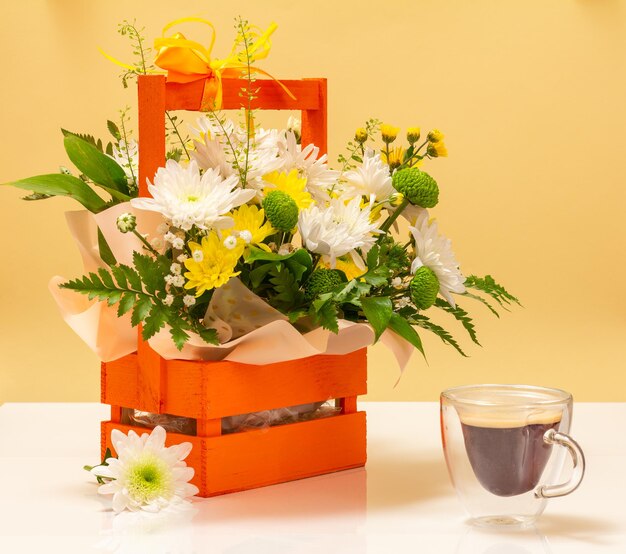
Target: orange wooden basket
x,y
210,391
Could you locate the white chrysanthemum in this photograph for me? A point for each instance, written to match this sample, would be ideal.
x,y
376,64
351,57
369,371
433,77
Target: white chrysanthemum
x,y
146,475
338,229
371,179
306,161
225,149
186,198
126,154
435,252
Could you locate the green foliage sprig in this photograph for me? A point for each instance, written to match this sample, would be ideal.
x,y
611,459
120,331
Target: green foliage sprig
x,y
141,290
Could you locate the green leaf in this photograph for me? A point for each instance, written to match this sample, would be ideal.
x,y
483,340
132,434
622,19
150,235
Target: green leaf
x,y
96,165
402,327
154,322
460,315
150,271
179,336
107,278
488,285
87,138
296,315
114,297
444,335
141,310
59,184
258,274
372,257
126,303
378,311
297,269
378,276
114,130
134,280
481,299
285,286
324,312
254,254
120,277
209,335
105,250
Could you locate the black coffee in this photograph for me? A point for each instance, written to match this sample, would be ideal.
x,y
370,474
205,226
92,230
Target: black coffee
x,y
507,459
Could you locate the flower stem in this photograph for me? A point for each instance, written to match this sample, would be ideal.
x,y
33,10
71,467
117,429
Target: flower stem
x,y
145,243
180,139
389,221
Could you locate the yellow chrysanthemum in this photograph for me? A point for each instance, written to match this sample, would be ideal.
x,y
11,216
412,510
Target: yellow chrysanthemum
x,y
395,157
348,267
251,218
211,264
289,183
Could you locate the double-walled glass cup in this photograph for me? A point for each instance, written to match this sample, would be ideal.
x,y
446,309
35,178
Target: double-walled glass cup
x,y
506,446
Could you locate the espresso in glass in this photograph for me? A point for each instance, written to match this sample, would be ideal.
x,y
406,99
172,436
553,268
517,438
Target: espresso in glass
x,y
501,444
508,456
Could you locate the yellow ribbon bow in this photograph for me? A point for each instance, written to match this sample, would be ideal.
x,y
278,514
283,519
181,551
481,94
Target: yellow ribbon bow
x,y
186,60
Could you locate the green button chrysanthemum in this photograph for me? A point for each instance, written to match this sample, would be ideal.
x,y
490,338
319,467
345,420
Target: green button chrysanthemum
x,y
281,210
424,288
321,281
417,186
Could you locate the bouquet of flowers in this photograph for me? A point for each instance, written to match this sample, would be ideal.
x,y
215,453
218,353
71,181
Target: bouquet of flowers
x,y
249,248
252,211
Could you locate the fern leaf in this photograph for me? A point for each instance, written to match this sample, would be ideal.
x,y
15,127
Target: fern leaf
x,y
488,285
445,336
461,316
154,322
481,299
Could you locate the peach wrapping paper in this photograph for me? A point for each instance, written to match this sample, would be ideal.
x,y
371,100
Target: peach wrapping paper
x,y
250,330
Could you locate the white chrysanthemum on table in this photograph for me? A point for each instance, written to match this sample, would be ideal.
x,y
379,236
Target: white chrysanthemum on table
x,y
435,252
126,154
187,198
371,179
319,177
146,475
338,229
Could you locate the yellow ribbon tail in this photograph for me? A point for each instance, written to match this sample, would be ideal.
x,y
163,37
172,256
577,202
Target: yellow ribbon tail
x,y
116,61
287,91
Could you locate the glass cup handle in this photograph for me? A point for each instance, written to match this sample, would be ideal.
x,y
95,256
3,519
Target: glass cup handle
x,y
578,459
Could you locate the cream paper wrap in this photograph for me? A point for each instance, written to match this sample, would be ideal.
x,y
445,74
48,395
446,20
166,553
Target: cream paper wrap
x,y
249,329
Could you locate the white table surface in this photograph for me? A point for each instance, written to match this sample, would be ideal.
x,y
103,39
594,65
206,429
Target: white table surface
x,y
402,502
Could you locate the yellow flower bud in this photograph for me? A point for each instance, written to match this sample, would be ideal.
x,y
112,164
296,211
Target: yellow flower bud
x,y
435,136
396,199
413,134
389,133
437,150
361,135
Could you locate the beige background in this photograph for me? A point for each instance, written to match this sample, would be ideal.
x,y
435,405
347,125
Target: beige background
x,y
531,98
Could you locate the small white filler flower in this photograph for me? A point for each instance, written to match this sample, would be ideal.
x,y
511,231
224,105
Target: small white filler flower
x,y
435,252
146,475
